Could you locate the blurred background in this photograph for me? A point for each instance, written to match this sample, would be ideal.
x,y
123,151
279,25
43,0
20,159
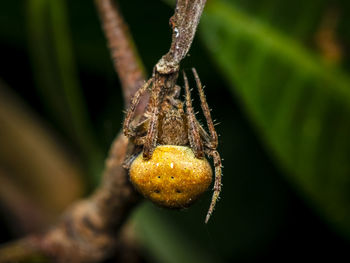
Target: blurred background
x,y
277,80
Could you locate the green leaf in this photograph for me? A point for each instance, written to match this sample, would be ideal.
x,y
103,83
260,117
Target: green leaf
x,y
299,103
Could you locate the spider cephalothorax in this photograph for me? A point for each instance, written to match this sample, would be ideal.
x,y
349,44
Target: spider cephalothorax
x,y
172,170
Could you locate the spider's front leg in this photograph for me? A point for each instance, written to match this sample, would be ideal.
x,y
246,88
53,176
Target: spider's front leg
x,y
211,143
139,131
128,130
205,108
152,133
193,131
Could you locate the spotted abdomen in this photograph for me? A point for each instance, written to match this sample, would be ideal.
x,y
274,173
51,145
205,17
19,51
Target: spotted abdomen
x,y
173,177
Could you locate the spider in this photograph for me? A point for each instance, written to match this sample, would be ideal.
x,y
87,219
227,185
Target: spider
x,y
174,146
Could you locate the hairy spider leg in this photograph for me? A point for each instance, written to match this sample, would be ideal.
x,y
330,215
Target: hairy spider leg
x,y
193,132
127,129
152,133
211,144
217,184
141,126
206,111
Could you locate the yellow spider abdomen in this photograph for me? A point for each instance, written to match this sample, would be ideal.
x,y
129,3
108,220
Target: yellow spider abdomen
x,y
173,177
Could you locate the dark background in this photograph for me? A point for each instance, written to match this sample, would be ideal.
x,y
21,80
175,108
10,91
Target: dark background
x,y
262,214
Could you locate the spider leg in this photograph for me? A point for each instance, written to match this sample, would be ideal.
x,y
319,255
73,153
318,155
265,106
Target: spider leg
x,y
129,160
206,111
127,129
139,132
204,135
211,143
150,142
217,184
193,132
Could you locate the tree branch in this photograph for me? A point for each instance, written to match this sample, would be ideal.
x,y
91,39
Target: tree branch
x,y
184,24
124,55
88,231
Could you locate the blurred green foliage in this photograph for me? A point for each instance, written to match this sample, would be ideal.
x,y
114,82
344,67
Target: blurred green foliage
x,y
57,76
281,98
299,102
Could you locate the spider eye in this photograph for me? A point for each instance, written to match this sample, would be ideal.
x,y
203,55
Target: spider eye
x,y
172,178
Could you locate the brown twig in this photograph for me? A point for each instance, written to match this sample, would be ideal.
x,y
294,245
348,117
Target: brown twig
x,y
184,24
88,231
124,55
